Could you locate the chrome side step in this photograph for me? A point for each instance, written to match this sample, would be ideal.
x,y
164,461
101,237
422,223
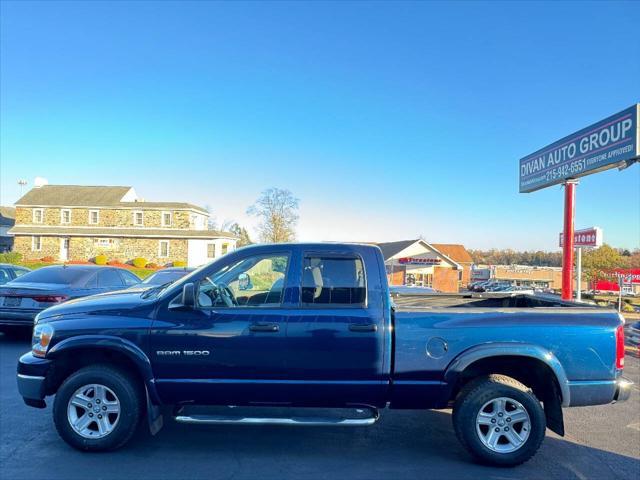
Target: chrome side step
x,y
289,421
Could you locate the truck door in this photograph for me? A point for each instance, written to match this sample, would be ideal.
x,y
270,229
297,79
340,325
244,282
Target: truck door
x,y
335,340
230,348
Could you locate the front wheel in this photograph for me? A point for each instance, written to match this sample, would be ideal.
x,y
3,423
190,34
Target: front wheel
x,y
97,408
499,421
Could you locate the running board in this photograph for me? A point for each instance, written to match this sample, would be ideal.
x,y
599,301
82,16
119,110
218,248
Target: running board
x,y
289,421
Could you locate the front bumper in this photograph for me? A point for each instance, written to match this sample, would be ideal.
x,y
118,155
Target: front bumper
x,y
32,379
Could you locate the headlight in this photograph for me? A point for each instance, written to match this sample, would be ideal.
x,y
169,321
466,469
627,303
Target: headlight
x,y
42,335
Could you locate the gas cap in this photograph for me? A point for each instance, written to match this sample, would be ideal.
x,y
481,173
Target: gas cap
x,y
437,347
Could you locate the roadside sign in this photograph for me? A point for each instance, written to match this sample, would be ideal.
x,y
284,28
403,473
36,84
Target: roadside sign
x,y
588,237
603,145
419,261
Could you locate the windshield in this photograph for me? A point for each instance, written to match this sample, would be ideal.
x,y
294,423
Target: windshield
x,y
61,275
160,278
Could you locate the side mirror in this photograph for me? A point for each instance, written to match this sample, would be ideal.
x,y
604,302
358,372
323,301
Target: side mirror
x,y
189,295
244,282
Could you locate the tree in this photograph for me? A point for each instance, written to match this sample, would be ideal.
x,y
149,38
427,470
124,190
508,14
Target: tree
x,y
277,210
241,233
600,260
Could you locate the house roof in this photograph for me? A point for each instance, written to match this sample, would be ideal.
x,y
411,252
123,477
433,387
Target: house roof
x,y
7,216
118,232
389,249
455,251
93,196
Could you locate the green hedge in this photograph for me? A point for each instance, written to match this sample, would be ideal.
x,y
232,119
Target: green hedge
x,y
10,257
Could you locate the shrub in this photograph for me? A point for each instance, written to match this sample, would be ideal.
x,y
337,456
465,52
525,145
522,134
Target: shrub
x,y
627,308
179,263
10,257
139,262
151,265
100,260
48,259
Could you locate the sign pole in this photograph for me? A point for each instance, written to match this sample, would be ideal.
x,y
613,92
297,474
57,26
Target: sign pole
x,y
579,274
568,232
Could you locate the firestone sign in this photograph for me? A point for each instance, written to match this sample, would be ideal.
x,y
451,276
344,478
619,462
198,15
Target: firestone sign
x,y
419,261
589,237
601,146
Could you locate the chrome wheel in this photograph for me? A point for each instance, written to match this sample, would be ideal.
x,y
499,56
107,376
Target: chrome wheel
x,y
503,425
93,411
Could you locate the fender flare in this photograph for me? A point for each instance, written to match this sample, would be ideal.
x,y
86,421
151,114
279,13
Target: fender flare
x,y
480,352
114,344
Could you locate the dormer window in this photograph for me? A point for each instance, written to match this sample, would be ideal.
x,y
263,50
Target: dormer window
x,y
94,217
166,219
38,215
138,218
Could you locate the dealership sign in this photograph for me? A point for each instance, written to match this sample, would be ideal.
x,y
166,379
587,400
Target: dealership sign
x,y
603,145
589,237
419,261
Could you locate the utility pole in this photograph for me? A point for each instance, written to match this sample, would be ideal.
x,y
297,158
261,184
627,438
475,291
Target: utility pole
x,y
22,184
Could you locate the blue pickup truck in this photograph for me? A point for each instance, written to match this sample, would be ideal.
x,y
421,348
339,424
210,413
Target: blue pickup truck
x,y
312,327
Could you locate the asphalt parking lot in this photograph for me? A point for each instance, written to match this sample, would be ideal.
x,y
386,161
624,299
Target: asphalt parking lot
x,y
601,442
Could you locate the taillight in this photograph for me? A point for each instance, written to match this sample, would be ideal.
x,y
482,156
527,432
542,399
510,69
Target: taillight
x,y
620,347
50,298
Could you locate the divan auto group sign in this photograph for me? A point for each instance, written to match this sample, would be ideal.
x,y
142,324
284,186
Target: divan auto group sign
x,y
603,145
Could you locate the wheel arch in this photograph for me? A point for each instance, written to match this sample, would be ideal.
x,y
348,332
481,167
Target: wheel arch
x,y
76,352
532,365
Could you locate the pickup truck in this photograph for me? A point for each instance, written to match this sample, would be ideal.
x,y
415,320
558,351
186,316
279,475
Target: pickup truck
x,y
309,327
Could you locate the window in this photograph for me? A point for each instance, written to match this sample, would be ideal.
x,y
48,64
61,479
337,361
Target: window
x,y
4,276
333,280
36,244
138,218
129,278
166,219
109,277
163,248
65,216
94,217
38,215
225,248
211,250
252,282
57,274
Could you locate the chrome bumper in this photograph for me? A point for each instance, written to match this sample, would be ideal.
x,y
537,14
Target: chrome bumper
x,y
623,390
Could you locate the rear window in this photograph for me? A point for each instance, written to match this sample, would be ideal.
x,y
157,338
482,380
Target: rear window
x,y
329,281
160,278
59,275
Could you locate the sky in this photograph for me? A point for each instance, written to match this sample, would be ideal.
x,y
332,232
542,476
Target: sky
x,y
388,121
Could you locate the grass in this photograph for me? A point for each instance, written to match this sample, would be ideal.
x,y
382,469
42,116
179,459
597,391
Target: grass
x,y
140,272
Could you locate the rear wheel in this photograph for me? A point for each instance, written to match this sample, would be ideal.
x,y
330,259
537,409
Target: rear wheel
x,y
499,420
97,408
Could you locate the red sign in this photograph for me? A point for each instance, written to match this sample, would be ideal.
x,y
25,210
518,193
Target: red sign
x,y
611,280
419,261
589,237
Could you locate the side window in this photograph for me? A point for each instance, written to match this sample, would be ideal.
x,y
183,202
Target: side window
x,y
17,272
4,276
129,278
109,278
252,282
335,281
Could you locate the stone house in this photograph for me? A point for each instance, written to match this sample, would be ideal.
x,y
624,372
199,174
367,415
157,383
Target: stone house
x,y
71,222
7,220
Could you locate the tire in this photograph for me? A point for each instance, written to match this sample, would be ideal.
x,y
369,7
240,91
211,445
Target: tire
x,y
90,384
487,405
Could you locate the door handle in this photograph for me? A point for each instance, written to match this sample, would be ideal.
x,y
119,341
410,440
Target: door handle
x,y
359,327
264,327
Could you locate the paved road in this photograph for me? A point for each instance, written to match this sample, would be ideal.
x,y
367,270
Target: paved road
x,y
602,443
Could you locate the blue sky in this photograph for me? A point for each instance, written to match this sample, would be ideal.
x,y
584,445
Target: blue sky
x,y
387,120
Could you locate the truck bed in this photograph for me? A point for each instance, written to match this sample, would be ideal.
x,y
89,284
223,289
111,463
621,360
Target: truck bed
x,y
406,302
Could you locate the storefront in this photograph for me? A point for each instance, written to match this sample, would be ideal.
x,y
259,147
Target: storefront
x,y
418,263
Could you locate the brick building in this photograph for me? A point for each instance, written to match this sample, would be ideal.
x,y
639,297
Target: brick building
x,y
71,222
419,263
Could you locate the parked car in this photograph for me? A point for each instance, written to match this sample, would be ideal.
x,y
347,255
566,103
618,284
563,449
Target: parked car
x,y
24,297
633,334
313,325
10,272
164,277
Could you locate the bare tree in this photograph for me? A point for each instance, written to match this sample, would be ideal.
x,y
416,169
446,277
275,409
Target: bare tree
x,y
278,211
